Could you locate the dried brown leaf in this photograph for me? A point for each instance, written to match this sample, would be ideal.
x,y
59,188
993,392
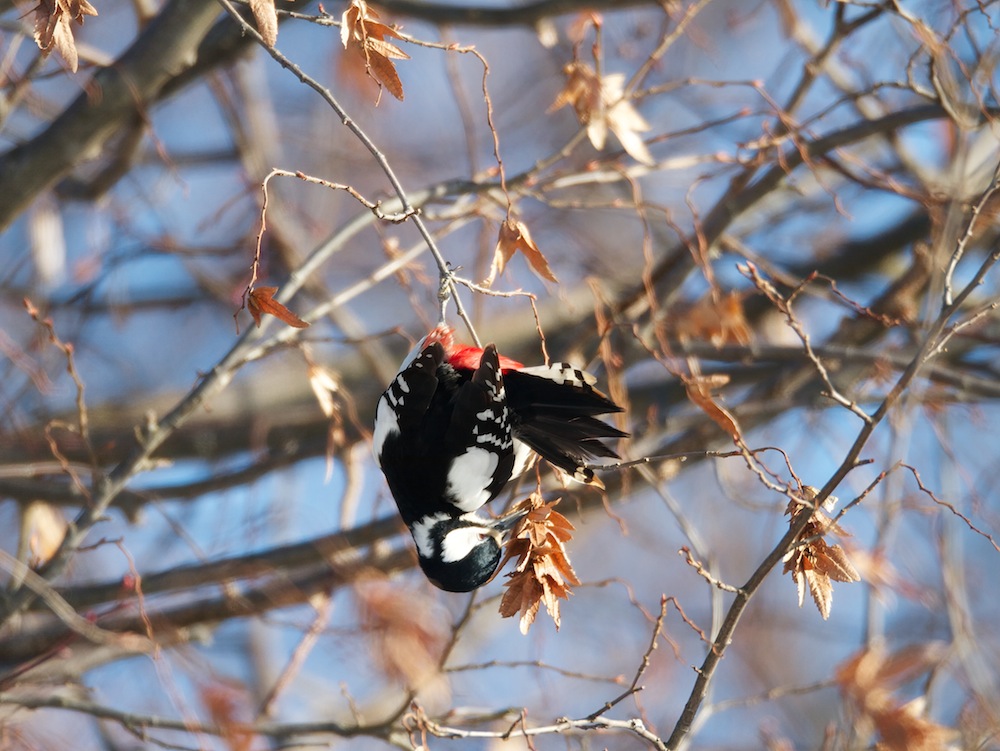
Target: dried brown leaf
x,y
833,561
903,729
57,35
523,594
386,49
266,17
820,589
601,105
47,15
77,9
699,391
583,93
716,318
514,237
382,70
260,301
908,663
225,704
561,527
363,36
624,120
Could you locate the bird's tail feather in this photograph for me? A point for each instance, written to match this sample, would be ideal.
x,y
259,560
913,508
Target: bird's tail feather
x,y
555,411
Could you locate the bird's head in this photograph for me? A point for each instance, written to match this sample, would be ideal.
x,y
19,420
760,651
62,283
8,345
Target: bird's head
x,y
461,553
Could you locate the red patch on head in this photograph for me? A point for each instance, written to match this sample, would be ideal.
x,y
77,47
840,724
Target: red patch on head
x,y
465,357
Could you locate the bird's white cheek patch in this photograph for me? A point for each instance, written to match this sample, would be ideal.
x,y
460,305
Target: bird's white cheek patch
x,y
469,475
386,424
458,543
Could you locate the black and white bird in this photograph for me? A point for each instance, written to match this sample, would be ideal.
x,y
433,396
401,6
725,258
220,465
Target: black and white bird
x,y
456,424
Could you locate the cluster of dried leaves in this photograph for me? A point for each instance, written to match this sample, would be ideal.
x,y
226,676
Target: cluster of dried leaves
x,y
600,104
543,572
815,563
363,35
54,30
868,681
719,319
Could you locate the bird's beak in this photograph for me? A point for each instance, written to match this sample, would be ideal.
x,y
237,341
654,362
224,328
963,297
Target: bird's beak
x,y
506,523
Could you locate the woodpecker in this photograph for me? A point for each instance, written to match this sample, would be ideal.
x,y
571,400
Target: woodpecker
x,y
456,424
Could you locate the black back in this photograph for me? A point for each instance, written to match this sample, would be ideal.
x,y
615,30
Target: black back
x,y
437,417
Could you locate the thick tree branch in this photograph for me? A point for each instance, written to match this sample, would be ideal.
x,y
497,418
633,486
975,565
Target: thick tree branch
x,y
109,102
525,14
257,583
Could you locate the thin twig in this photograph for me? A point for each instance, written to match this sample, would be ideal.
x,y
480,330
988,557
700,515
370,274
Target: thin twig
x,y
634,726
407,207
705,573
784,305
970,227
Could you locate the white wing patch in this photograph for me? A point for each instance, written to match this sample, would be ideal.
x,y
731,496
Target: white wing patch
x,y
386,424
469,475
496,432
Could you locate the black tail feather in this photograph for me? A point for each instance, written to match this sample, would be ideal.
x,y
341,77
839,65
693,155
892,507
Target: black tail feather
x,y
580,429
559,421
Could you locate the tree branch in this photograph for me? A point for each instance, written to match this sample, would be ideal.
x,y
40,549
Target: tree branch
x,y
110,100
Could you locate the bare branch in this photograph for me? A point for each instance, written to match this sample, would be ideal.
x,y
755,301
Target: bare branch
x,y
164,49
